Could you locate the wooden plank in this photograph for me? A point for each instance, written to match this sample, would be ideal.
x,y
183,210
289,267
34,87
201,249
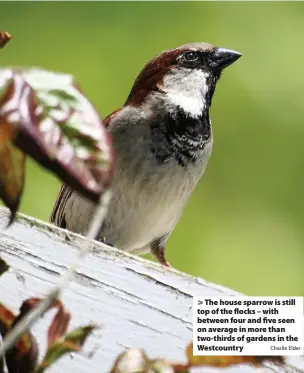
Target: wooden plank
x,y
137,303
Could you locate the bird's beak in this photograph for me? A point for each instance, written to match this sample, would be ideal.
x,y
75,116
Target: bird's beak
x,y
221,58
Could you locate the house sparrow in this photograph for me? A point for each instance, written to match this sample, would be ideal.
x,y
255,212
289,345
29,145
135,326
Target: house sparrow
x,y
162,139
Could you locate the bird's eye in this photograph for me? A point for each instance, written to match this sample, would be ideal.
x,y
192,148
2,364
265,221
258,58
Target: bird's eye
x,y
191,57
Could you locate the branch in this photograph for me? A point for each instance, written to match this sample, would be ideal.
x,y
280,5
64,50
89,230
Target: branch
x,y
31,317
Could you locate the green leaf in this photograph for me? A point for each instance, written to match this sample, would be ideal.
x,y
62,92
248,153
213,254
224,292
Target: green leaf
x,y
55,352
79,335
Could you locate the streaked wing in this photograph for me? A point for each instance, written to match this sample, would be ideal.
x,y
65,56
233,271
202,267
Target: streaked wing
x,y
57,216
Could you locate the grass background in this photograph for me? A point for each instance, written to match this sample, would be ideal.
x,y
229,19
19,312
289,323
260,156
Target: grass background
x,y
243,227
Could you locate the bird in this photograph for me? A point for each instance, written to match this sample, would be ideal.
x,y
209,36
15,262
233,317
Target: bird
x,y
162,138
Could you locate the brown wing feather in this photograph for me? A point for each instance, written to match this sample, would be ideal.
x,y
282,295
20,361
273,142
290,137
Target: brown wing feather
x,y
57,216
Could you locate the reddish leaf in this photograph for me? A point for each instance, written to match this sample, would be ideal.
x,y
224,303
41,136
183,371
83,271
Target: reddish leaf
x,y
7,317
180,368
3,266
59,325
26,306
60,321
5,37
7,132
47,117
71,343
22,357
12,168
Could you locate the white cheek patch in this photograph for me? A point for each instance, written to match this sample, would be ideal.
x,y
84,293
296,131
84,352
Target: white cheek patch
x,y
192,106
187,90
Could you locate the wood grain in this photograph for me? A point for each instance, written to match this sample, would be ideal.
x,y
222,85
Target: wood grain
x,y
137,303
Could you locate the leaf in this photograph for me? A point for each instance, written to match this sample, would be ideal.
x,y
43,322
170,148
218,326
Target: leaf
x,y
58,326
55,352
227,361
131,361
7,317
26,306
3,266
60,321
68,130
22,357
71,343
160,366
7,132
79,335
12,168
46,116
5,37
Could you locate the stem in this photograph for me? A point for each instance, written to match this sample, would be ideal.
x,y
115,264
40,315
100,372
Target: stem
x,y
32,316
3,366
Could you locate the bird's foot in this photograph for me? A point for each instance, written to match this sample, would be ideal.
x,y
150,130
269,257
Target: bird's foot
x,y
159,253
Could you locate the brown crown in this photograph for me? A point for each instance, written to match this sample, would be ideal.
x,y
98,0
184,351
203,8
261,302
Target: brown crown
x,y
151,77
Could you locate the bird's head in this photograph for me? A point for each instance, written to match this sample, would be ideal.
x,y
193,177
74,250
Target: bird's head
x,y
186,76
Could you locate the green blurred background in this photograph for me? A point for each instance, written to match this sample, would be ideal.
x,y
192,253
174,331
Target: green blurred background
x,y
243,227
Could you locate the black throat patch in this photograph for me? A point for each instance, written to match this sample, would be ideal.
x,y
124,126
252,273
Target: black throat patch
x,y
180,137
